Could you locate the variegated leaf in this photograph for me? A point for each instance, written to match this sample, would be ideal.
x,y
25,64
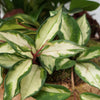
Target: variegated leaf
x,y
85,28
48,63
10,24
1,78
70,29
6,48
89,96
8,60
14,76
53,92
64,63
48,30
89,72
62,48
27,19
32,82
23,41
89,53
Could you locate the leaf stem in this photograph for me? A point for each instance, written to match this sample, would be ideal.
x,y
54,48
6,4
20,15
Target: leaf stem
x,y
73,84
37,54
33,29
2,41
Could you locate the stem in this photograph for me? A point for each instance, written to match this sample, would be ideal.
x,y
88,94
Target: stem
x,y
37,54
33,29
2,41
73,84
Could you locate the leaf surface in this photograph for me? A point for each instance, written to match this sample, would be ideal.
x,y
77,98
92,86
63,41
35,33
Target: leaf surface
x,y
6,48
14,76
89,72
84,5
89,96
89,53
62,48
48,30
70,29
8,60
27,19
48,63
53,92
64,63
32,82
9,24
85,28
23,41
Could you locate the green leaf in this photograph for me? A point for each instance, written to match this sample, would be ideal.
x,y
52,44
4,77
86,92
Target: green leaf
x,y
62,48
89,72
48,30
14,76
89,96
48,63
8,60
10,24
85,28
89,53
53,92
70,29
27,19
83,4
1,78
6,48
8,4
32,82
23,41
64,63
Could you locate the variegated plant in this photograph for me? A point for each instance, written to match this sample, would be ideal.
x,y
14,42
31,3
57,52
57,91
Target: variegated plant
x,y
28,60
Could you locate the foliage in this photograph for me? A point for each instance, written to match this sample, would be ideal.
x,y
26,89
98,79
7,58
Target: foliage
x,y
30,55
39,9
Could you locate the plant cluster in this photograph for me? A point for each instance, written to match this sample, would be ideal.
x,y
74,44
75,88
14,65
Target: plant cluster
x,y
30,54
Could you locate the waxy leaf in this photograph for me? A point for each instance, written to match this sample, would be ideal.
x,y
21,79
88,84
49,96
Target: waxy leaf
x,y
23,41
32,82
70,29
84,5
1,78
62,48
48,30
10,24
89,53
64,63
8,60
14,76
89,72
89,96
6,48
85,28
27,19
48,62
53,92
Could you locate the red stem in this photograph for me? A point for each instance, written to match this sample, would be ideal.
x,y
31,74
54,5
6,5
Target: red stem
x,y
2,41
37,53
33,29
